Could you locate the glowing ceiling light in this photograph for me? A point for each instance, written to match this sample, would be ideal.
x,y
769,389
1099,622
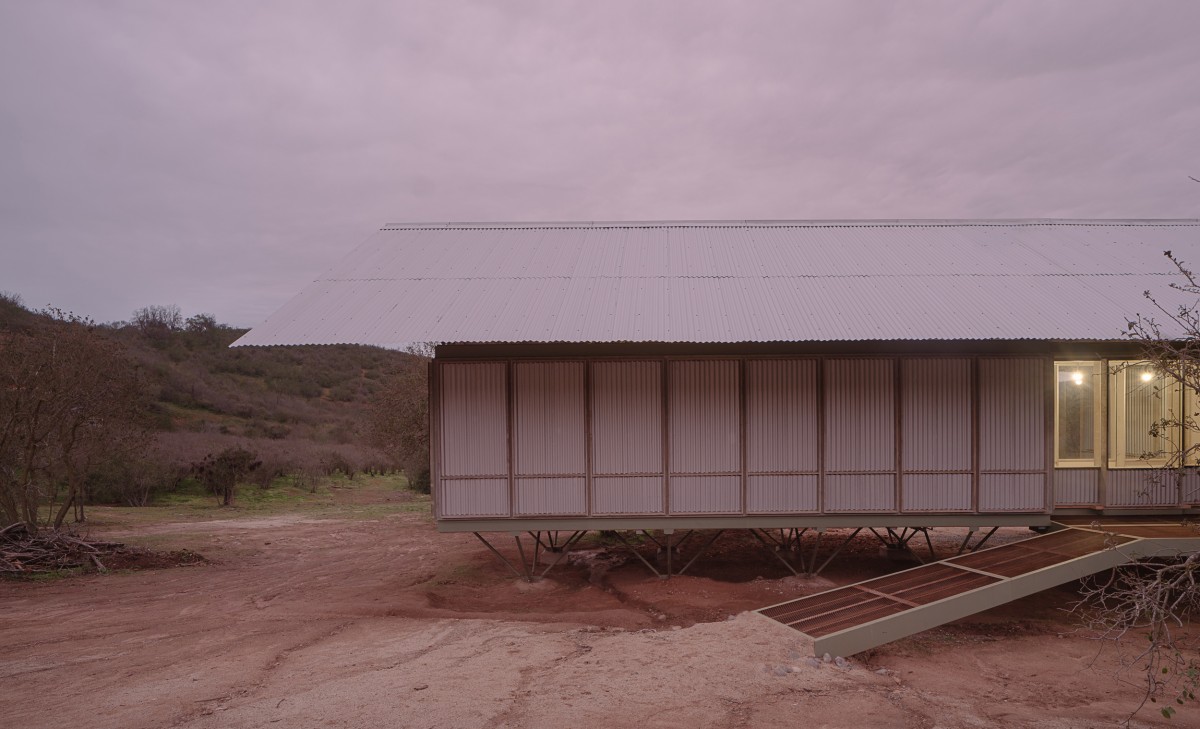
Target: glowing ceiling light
x,y
1077,378
1147,376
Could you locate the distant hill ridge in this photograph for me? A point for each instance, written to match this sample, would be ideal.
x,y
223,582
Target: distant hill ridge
x,y
292,404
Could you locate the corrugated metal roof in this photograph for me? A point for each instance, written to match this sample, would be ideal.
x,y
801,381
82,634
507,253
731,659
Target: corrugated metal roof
x,y
738,281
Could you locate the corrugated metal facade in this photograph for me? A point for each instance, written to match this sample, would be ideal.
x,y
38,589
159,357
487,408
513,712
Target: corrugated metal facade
x,y
474,417
1021,492
936,414
706,495
473,497
782,421
627,417
860,492
742,436
1076,486
1012,414
549,409
627,495
786,281
704,425
860,415
1142,488
937,492
551,496
779,494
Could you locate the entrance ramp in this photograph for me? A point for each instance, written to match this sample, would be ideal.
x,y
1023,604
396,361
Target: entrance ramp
x,y
855,618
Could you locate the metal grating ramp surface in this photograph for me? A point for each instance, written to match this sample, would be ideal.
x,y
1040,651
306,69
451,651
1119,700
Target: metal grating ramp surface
x,y
854,618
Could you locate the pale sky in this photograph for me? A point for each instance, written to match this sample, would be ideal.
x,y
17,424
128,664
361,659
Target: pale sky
x,y
220,155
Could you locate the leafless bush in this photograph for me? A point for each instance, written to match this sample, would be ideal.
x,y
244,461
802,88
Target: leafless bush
x,y
1142,609
264,476
1142,606
400,419
222,472
70,401
158,322
187,447
336,463
133,481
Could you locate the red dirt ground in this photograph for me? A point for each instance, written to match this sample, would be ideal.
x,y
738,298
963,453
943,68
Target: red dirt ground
x,y
381,621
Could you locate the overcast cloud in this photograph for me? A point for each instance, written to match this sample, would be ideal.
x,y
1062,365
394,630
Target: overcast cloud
x,y
220,155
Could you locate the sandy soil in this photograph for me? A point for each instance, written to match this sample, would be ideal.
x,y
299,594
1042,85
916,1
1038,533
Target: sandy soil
x,y
306,622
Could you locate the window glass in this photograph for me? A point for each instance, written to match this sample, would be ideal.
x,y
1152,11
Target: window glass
x,y
1075,411
1143,412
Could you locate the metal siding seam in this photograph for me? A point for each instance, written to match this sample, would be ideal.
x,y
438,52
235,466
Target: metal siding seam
x,y
665,365
821,419
1103,445
435,440
1047,371
975,443
587,436
742,428
508,404
898,428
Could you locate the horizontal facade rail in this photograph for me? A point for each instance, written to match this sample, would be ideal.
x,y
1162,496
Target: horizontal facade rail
x,y
759,521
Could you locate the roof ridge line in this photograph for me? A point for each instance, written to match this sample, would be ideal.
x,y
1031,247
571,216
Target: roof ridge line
x,y
817,223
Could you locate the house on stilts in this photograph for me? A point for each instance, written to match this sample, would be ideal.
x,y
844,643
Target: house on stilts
x,y
784,377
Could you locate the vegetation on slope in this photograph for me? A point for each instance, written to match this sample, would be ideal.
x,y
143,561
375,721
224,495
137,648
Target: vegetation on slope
x,y
277,411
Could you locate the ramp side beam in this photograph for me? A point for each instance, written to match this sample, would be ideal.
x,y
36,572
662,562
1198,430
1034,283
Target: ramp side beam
x,y
859,638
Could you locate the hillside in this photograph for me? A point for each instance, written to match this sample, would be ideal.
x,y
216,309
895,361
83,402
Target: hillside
x,y
296,407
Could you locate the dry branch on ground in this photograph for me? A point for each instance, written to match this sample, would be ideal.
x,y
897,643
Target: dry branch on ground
x,y
27,552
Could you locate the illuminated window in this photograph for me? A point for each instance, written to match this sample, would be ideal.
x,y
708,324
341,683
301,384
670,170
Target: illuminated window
x,y
1144,411
1076,414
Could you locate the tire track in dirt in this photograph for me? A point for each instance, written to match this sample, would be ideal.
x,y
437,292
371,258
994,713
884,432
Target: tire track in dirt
x,y
258,686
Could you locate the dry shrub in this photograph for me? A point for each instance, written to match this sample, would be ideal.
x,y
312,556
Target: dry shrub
x,y
184,448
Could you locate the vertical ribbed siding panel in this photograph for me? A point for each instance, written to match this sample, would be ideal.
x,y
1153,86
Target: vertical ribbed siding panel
x,y
860,421
706,494
937,492
474,420
627,418
548,402
781,416
474,497
859,492
546,496
936,415
627,495
782,494
1142,487
705,419
1076,486
1023,492
1012,414
1191,486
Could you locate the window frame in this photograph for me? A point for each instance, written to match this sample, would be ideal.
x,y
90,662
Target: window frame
x,y
1117,384
1099,430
